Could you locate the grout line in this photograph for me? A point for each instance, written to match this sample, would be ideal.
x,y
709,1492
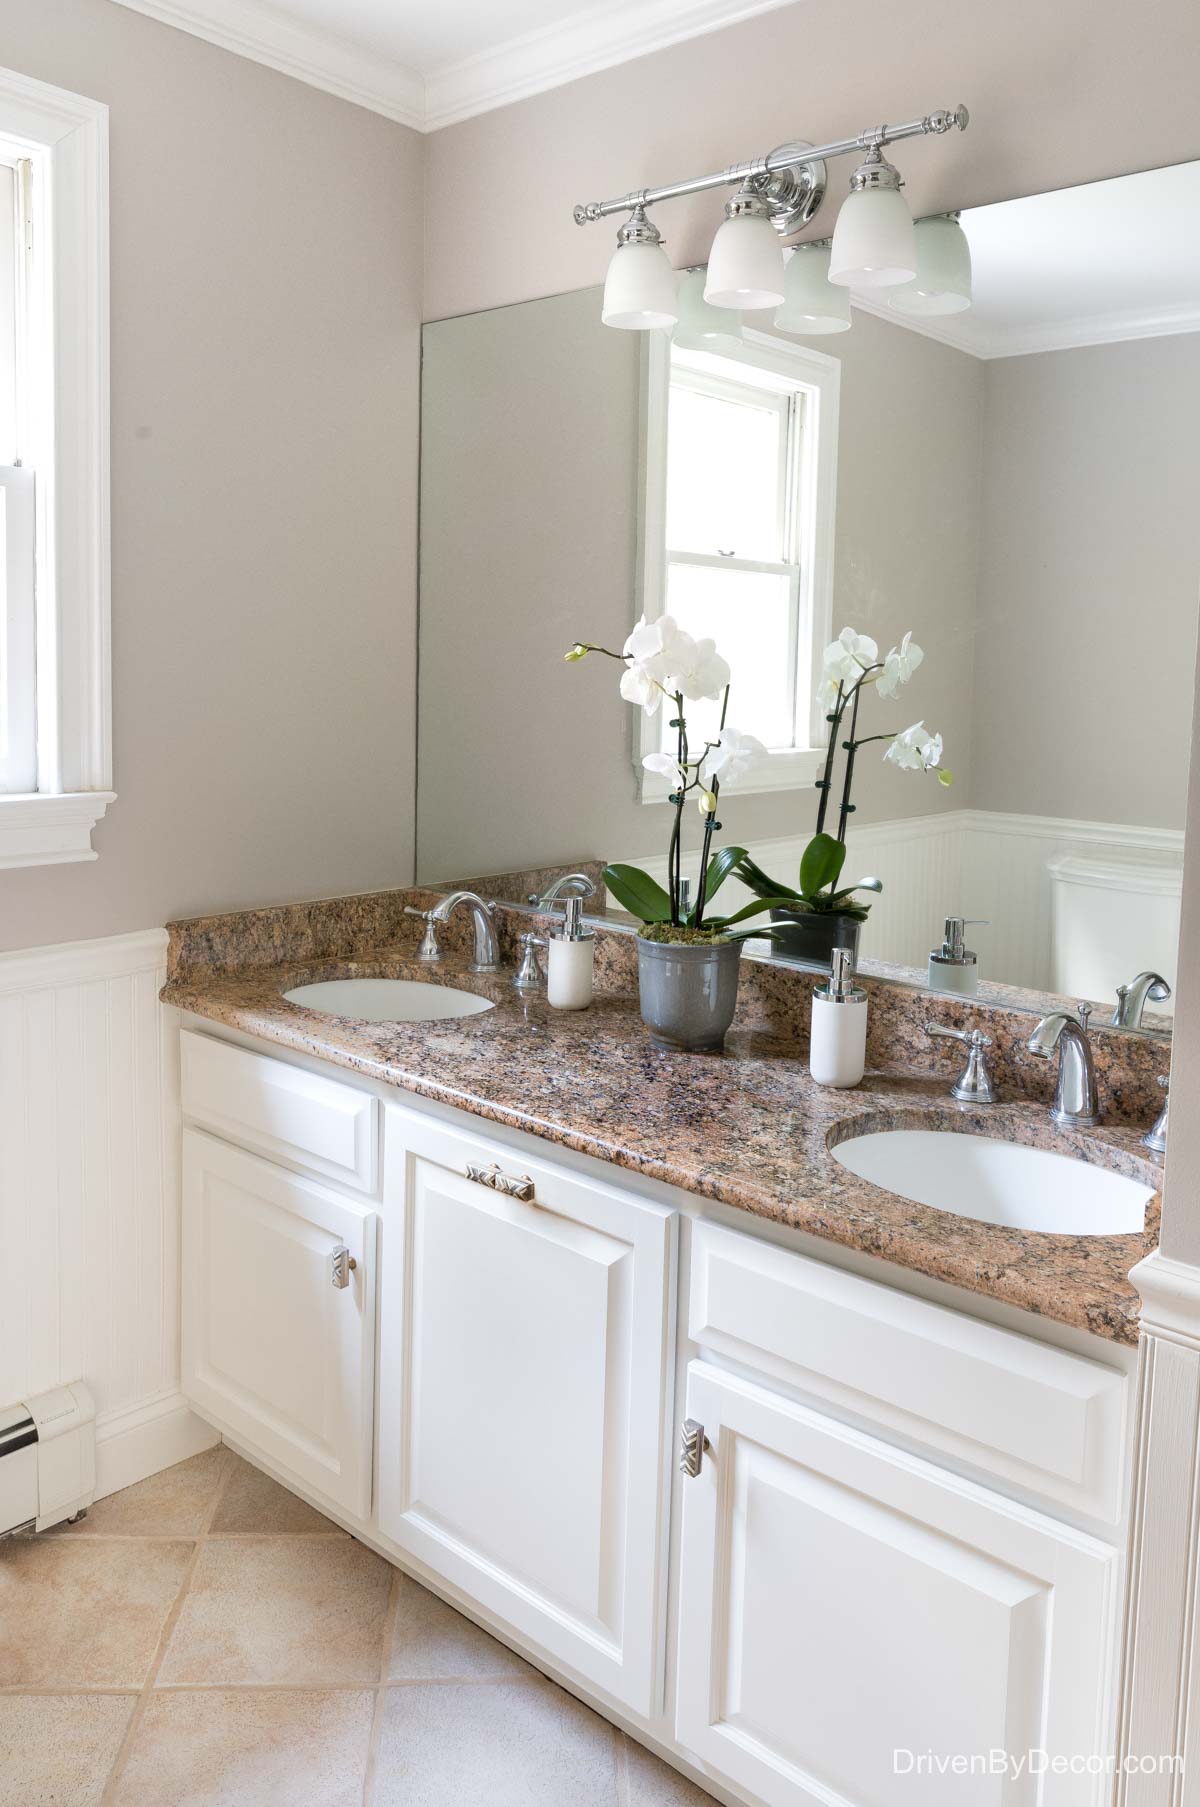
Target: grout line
x,y
172,1619
373,1742
622,1767
209,1536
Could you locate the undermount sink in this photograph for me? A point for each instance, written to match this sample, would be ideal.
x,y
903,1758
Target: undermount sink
x,y
998,1182
387,1000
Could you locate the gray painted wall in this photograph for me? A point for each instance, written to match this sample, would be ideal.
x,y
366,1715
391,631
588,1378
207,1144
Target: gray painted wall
x,y
266,281
1089,580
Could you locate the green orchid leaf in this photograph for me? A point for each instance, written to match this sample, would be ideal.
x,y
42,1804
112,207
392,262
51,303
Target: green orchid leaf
x,y
760,882
637,892
755,909
719,868
821,865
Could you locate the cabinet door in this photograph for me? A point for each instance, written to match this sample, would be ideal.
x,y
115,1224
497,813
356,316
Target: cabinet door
x,y
852,1621
524,1397
274,1351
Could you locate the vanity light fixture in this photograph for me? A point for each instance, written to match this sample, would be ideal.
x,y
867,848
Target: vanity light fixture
x,y
745,265
639,291
701,326
873,244
811,303
942,284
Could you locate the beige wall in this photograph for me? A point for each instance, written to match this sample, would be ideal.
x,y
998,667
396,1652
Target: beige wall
x,y
266,265
1058,94
529,497
1089,581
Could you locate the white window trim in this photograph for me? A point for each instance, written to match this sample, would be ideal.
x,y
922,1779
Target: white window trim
x,y
66,136
819,377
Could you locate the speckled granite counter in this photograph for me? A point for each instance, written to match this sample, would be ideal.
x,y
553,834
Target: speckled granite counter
x,y
749,1129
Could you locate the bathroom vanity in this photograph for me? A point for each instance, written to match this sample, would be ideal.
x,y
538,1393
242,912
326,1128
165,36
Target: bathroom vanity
x,y
632,1385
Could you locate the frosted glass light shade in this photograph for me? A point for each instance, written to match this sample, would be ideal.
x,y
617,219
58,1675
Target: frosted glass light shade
x,y
745,265
874,245
639,290
942,284
702,327
811,303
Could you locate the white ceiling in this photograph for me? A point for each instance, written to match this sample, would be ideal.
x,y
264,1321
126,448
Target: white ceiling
x,y
429,63
1082,266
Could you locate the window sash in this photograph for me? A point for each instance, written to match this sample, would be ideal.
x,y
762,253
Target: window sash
x,y
797,709
18,633
764,401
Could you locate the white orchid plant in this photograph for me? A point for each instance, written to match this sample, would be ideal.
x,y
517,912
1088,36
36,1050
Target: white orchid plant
x,y
664,665
850,666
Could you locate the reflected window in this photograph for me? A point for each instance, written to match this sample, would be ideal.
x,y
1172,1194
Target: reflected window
x,y
738,533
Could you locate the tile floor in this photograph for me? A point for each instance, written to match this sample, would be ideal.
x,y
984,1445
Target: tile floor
x,y
205,1639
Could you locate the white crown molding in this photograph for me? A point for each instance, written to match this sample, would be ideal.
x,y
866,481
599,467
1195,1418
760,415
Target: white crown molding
x,y
81,962
265,35
525,65
961,332
556,54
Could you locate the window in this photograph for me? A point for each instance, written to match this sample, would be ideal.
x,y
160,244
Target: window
x,y
55,759
740,469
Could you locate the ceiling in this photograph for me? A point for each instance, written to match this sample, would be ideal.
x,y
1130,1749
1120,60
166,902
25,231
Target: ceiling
x,y
1082,266
430,64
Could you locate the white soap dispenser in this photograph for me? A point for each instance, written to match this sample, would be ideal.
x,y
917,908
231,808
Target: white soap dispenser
x,y
954,967
837,1049
569,961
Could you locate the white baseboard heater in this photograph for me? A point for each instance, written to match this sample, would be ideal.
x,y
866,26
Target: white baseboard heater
x,y
47,1459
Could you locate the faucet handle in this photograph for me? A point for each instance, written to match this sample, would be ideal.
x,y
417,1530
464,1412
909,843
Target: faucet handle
x,y
1084,1010
529,976
429,952
974,1085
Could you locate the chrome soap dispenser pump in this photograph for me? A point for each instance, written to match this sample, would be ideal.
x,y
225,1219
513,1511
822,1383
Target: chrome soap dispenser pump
x,y
954,967
837,1049
569,966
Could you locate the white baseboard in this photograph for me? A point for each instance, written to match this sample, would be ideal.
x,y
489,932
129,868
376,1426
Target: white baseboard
x,y
144,1439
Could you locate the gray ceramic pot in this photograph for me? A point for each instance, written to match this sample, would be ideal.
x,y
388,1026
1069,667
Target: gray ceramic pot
x,y
688,994
812,935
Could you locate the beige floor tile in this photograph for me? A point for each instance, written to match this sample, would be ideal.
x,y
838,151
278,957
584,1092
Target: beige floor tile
x,y
432,1640
515,1744
278,1609
249,1749
84,1612
655,1784
175,1503
252,1501
57,1750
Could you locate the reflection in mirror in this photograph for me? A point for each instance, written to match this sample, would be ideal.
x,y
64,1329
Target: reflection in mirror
x,y
1011,484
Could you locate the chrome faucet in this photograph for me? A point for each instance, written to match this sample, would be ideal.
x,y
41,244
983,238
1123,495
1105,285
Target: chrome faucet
x,y
1076,1102
974,1084
578,884
1132,999
487,950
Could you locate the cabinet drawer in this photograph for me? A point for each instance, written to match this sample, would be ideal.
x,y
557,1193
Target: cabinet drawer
x,y
1040,1418
280,1110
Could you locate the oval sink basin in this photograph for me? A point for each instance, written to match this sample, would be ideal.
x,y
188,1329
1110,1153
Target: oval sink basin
x,y
998,1182
387,1000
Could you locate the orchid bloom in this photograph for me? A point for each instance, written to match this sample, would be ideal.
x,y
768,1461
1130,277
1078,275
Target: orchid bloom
x,y
899,666
733,756
845,660
916,750
668,768
662,657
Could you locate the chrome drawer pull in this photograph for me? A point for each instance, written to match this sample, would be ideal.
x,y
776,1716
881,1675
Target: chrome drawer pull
x,y
692,1446
512,1185
341,1265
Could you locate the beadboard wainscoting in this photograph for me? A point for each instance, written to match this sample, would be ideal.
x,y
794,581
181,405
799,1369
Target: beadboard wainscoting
x,y
89,1195
1020,875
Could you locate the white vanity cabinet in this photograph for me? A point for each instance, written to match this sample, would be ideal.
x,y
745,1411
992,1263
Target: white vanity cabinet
x,y
847,1610
525,1395
901,1544
278,1342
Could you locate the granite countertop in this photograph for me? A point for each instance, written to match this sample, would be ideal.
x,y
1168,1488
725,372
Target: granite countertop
x,y
748,1128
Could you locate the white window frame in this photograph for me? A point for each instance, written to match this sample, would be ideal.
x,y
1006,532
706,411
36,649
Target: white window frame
x,y
65,138
779,365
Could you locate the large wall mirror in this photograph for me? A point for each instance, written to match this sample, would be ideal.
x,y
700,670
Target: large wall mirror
x,y
1012,484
